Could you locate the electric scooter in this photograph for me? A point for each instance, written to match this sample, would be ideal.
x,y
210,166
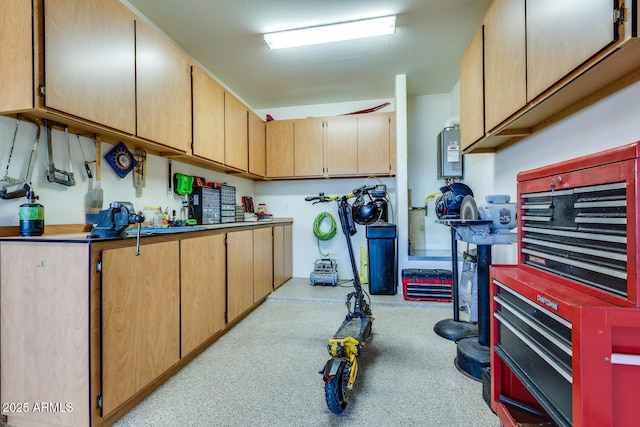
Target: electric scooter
x,y
339,373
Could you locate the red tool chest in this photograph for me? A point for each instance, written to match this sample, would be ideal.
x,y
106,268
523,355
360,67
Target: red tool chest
x,y
563,351
565,327
420,284
577,222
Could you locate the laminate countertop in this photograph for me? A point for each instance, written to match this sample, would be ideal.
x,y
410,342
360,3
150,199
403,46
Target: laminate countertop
x,y
148,232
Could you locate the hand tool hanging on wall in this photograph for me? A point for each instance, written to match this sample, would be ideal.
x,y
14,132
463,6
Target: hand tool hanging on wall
x,y
54,174
86,163
20,187
140,170
97,194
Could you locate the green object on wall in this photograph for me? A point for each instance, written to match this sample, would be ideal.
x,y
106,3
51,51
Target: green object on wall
x,y
183,184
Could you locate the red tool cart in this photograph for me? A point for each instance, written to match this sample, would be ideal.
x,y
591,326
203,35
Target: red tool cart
x,y
565,327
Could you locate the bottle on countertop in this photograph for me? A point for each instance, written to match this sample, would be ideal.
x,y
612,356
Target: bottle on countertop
x,y
31,216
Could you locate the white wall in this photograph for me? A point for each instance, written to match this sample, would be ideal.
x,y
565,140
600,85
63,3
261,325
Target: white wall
x,y
286,199
68,205
427,117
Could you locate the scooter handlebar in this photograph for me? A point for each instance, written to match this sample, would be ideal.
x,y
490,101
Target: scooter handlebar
x,y
321,198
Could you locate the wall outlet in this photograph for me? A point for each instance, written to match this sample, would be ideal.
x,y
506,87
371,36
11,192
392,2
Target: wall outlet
x,y
286,207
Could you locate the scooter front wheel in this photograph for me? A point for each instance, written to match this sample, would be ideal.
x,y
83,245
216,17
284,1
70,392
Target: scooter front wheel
x,y
337,392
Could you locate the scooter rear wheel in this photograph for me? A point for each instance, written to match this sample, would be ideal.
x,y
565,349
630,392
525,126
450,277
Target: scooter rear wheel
x,y
337,393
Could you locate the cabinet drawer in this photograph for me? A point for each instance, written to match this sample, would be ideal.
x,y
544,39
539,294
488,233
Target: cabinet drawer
x,y
536,345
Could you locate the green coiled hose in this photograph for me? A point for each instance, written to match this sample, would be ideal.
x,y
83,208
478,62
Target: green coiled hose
x,y
324,235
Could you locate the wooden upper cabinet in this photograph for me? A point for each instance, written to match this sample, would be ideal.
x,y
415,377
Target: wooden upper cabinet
x,y
90,61
280,149
208,117
16,56
342,145
392,144
236,138
563,35
308,147
257,145
374,144
472,91
504,60
163,90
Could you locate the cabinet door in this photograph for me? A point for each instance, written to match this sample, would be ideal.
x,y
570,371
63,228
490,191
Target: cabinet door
x,y
262,263
163,78
89,61
16,56
563,35
373,144
505,61
278,256
342,145
257,145
202,289
208,117
472,91
44,319
392,143
280,148
236,138
140,318
239,273
308,147
287,248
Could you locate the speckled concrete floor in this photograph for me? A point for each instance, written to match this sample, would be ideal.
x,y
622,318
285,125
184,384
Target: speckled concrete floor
x,y
264,371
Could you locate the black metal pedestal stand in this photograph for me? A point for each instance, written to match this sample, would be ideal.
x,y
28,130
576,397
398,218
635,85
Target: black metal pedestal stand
x,y
474,352
455,329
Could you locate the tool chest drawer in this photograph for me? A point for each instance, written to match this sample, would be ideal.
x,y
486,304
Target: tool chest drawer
x,y
562,352
577,223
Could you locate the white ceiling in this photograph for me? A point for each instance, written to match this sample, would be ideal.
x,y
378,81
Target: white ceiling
x,y
225,36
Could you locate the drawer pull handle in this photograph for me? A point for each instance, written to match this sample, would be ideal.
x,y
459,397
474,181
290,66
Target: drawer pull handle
x,y
625,359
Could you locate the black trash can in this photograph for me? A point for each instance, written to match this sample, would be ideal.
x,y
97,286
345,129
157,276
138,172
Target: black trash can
x,y
381,243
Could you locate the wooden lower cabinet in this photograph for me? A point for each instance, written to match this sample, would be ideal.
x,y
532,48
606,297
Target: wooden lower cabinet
x,y
44,325
92,329
239,273
249,271
282,254
140,318
262,263
203,289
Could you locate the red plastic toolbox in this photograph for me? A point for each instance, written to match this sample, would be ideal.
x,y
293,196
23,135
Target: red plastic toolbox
x,y
419,284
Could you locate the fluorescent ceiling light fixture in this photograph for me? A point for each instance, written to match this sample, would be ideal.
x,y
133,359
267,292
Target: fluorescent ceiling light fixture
x,y
332,33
